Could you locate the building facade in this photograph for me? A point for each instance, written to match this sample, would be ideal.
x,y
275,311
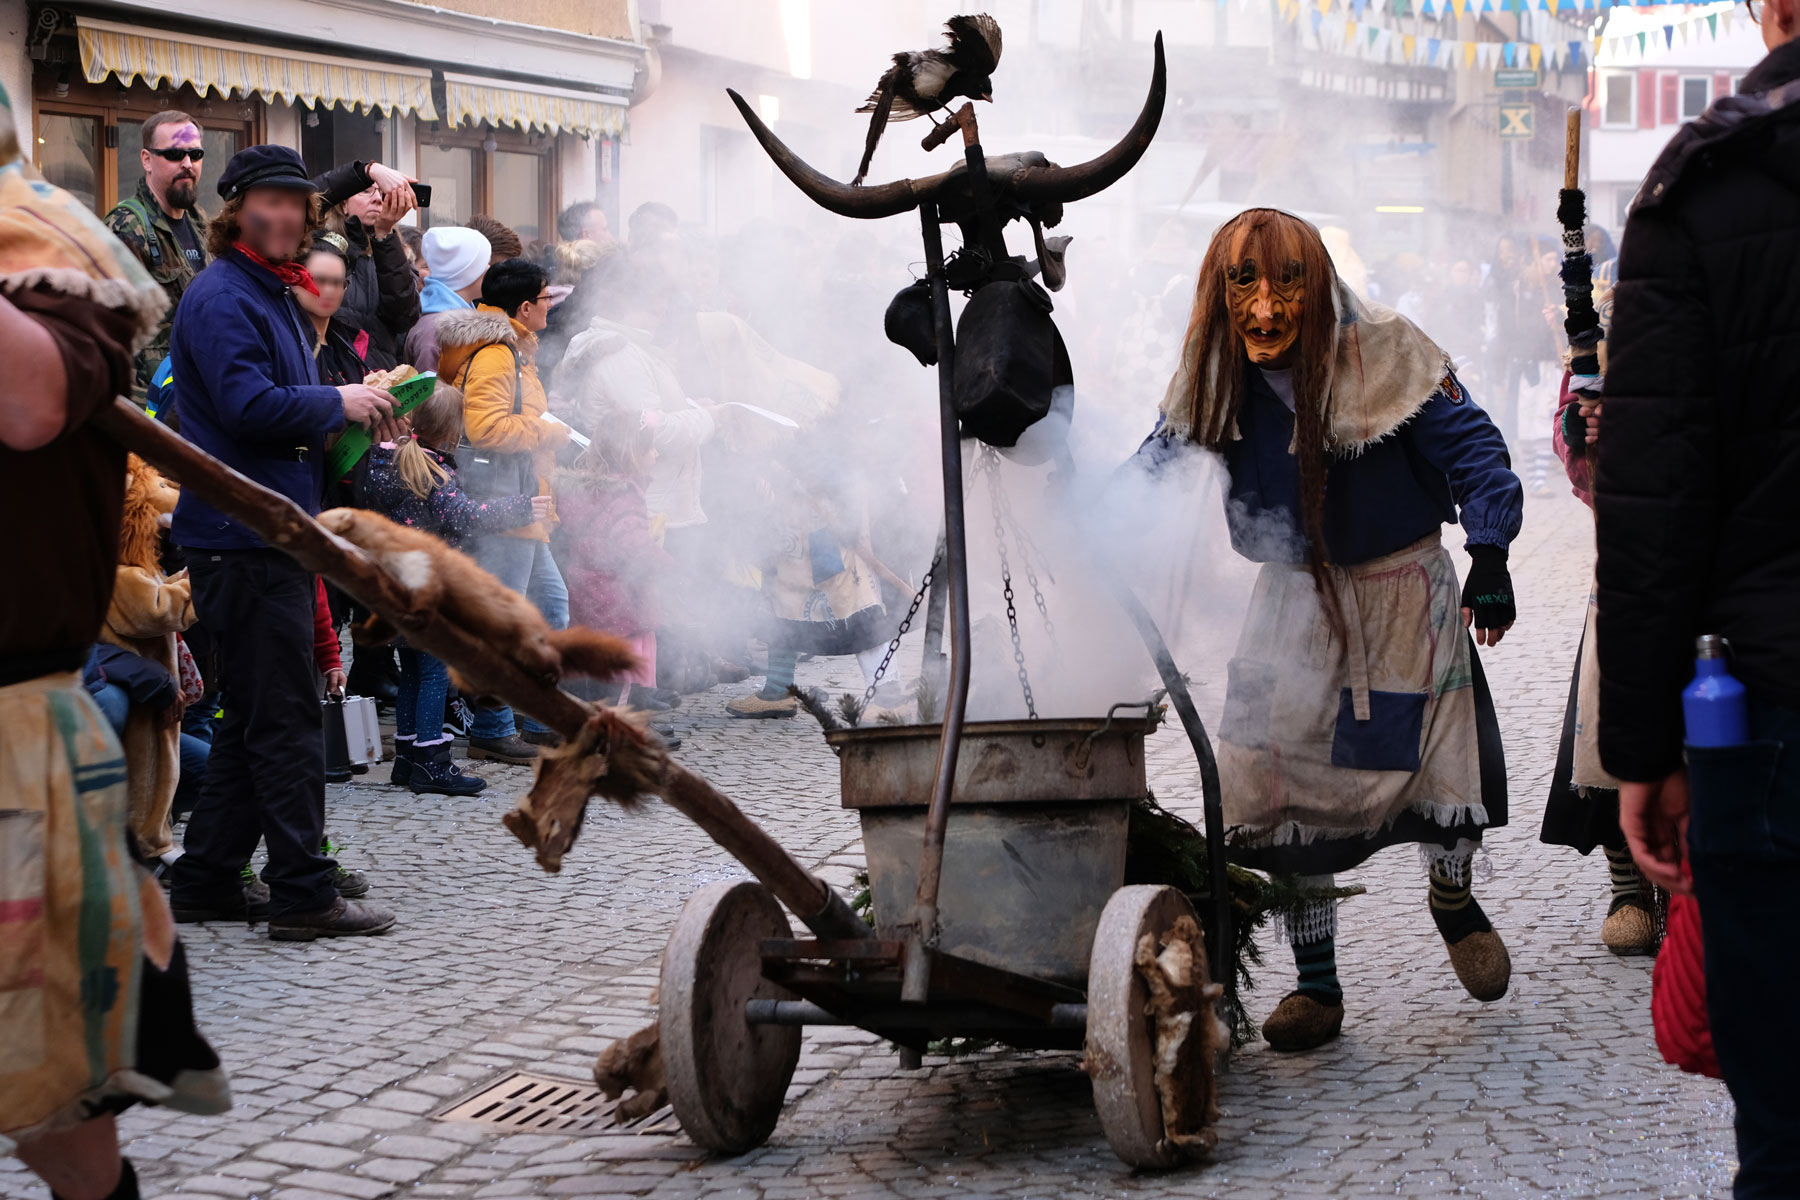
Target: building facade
x,y
514,109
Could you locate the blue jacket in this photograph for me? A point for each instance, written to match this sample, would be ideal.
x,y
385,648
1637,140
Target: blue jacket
x,y
250,394
1447,460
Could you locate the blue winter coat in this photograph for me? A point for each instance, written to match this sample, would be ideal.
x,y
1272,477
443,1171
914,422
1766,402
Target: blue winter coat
x,y
1446,463
250,394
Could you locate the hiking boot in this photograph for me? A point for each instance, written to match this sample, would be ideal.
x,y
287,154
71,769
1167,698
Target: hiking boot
x,y
344,918
352,885
509,749
549,739
756,708
403,756
246,905
1303,1022
726,671
436,773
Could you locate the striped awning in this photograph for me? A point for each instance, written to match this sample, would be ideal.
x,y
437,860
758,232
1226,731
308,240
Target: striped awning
x,y
132,52
530,108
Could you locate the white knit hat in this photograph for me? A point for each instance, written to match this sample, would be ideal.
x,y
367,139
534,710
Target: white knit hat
x,y
457,256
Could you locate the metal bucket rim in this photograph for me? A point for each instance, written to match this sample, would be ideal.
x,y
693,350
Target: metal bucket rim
x,y
1123,726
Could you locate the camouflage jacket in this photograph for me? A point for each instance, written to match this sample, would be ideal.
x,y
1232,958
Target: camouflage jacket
x,y
160,252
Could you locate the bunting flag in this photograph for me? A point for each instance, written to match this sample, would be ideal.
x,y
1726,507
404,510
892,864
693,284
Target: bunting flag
x,y
1376,37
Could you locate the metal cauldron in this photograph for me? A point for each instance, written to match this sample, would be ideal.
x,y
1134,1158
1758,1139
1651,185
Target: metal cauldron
x,y
1036,842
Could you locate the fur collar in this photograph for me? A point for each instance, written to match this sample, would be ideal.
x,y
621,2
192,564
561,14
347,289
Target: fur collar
x,y
1384,370
474,327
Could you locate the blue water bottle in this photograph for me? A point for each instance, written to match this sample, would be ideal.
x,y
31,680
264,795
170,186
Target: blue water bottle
x,y
1714,703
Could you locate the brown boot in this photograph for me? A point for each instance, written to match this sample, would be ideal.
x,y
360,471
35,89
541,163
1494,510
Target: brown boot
x,y
1630,929
345,918
1303,1022
1482,965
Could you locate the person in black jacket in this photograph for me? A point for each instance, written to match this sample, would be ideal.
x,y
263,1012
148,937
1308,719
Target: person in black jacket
x,y
1699,469
364,203
345,352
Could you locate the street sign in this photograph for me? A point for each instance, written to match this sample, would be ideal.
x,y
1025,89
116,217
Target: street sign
x,y
1515,121
1516,77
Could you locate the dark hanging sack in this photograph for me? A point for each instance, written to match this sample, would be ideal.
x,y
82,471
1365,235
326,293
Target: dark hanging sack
x,y
1009,359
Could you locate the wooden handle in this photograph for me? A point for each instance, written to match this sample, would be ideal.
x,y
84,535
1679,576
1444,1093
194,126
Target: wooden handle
x,y
287,527
1572,152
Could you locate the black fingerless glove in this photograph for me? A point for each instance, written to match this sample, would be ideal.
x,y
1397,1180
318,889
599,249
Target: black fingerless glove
x,y
1574,428
1488,590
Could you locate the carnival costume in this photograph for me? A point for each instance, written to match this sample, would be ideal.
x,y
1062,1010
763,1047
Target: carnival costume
x,y
94,1003
1356,715
1582,809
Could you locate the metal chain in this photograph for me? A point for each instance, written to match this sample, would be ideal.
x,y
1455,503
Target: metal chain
x,y
912,610
1026,547
991,462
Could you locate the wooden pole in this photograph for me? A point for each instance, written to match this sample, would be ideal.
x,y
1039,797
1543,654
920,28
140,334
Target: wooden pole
x,y
606,754
1572,151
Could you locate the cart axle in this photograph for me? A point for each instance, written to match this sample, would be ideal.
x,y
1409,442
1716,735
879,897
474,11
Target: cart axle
x,y
805,1012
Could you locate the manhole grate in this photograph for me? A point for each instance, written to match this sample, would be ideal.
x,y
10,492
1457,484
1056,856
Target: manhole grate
x,y
523,1101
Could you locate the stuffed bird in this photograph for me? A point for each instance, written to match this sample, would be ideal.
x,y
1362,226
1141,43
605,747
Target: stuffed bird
x,y
924,81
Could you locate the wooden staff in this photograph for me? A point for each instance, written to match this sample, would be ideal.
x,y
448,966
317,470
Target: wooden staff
x,y
605,754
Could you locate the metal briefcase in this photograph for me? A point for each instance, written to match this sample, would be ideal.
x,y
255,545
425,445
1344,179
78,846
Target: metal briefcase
x,y
352,732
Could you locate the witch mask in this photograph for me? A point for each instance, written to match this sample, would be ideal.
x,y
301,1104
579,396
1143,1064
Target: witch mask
x,y
1265,293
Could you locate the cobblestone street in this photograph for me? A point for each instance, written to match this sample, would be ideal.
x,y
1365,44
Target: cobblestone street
x,y
343,1053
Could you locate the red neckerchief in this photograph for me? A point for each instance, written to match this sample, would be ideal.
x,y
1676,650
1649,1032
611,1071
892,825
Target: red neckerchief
x,y
292,274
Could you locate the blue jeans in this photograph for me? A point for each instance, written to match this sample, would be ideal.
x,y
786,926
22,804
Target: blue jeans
x,y
1744,847
114,705
195,752
419,708
524,566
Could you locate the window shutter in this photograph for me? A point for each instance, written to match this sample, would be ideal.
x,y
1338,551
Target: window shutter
x,y
1721,85
1671,98
1646,90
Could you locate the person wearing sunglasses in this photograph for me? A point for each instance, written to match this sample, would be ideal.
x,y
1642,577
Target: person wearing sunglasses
x,y
160,224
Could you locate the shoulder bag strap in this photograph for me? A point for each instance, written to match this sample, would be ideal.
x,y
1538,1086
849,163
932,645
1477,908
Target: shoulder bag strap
x,y
135,207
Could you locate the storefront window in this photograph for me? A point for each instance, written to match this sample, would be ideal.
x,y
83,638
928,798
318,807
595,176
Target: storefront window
x,y
90,136
518,192
501,172
220,145
68,154
450,170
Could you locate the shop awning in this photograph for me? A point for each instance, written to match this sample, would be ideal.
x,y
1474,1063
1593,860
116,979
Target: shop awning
x,y
132,52
531,108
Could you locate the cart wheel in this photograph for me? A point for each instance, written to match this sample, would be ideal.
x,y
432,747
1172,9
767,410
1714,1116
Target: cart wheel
x,y
727,1077
1121,1047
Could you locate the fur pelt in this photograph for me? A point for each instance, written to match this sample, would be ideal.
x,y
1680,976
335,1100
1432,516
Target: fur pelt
x,y
634,1064
1188,1033
448,581
147,610
473,327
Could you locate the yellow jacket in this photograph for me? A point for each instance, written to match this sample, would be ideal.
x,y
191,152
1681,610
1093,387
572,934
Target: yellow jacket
x,y
473,356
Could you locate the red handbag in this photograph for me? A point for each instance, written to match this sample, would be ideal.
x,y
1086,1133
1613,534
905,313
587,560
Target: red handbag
x,y
1678,993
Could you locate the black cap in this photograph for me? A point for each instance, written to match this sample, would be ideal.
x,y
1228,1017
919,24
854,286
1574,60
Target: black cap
x,y
264,166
